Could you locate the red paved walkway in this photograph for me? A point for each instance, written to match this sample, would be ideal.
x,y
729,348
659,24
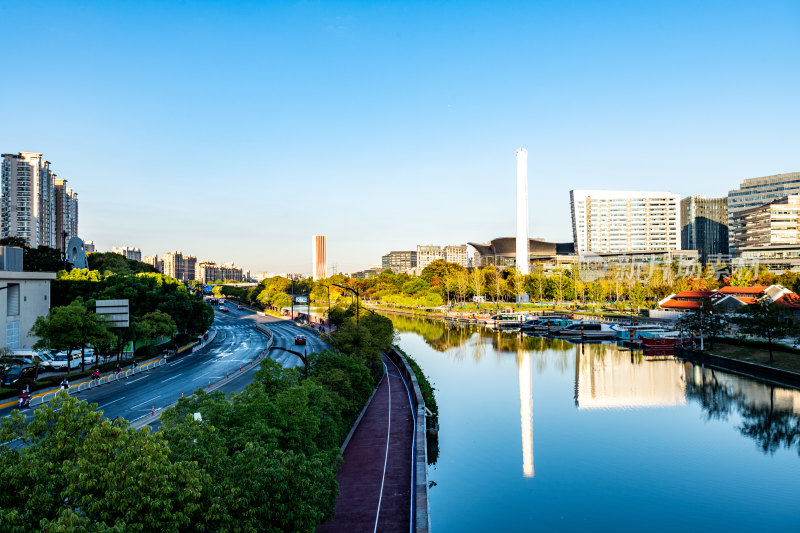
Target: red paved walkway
x,y
362,505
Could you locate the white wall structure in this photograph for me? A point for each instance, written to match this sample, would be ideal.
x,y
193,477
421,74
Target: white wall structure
x,y
625,221
523,257
24,298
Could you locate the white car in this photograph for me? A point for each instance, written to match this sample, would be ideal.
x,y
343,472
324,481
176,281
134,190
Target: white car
x,y
61,362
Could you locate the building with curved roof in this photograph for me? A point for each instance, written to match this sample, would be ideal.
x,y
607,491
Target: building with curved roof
x,y
502,251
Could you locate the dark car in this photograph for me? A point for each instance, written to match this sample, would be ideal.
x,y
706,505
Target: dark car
x,y
300,339
223,309
19,373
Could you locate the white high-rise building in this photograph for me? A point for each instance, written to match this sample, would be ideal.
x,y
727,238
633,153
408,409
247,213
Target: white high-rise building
x,y
319,259
625,221
523,257
427,254
28,204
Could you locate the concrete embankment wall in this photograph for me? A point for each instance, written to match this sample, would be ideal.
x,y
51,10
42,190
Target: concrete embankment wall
x,y
419,472
745,368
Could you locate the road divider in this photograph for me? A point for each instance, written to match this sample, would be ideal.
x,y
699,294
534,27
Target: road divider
x,y
156,413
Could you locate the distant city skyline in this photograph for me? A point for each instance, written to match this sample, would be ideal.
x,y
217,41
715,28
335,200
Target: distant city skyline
x,y
237,130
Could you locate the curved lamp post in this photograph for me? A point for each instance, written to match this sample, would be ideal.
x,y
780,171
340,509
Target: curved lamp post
x,y
354,292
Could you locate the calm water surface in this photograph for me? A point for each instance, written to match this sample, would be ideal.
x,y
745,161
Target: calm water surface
x,y
541,434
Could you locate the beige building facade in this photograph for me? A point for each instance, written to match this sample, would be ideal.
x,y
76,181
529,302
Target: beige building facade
x,y
773,224
179,266
28,207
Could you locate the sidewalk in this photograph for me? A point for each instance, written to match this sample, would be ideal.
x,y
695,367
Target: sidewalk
x,y
375,476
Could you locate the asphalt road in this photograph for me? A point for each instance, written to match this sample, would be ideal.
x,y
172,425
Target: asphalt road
x,y
236,344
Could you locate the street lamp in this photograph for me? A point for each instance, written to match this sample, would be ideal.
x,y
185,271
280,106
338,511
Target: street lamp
x,y
354,292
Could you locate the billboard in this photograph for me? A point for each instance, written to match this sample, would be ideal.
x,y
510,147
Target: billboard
x,y
207,289
114,312
301,299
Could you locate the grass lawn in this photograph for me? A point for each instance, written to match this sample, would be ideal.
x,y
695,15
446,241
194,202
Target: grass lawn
x,y
783,360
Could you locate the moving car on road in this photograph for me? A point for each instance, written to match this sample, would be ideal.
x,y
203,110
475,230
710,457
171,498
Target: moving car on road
x,y
241,307
223,309
300,339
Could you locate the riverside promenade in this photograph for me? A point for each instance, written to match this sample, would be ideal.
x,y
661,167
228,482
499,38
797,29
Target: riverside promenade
x,y
375,491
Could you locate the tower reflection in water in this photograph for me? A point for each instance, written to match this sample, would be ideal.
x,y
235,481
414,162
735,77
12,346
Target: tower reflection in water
x,y
526,410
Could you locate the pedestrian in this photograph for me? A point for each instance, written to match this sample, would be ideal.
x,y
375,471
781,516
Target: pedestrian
x,y
65,384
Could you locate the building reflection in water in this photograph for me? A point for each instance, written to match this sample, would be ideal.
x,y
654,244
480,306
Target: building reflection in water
x,y
607,377
526,410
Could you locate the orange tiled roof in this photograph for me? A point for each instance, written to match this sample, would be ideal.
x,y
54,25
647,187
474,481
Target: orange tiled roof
x,y
791,300
694,294
674,304
758,289
748,300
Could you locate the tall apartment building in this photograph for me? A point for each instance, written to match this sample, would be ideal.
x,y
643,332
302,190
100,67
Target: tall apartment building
x,y
66,221
754,192
319,259
179,266
457,253
624,221
154,261
28,207
134,254
704,226
427,254
209,271
775,223
400,261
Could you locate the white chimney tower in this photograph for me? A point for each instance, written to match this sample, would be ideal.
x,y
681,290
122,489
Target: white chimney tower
x,y
523,258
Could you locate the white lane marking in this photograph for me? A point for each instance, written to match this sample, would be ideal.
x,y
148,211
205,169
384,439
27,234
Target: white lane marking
x,y
146,401
386,457
134,381
113,401
173,377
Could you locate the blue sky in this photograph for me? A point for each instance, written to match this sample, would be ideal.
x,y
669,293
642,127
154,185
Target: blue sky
x,y
237,130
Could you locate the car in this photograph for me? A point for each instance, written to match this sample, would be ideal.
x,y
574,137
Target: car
x,y
240,308
18,373
223,309
300,339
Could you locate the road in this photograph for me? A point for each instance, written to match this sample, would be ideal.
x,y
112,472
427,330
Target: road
x,y
236,344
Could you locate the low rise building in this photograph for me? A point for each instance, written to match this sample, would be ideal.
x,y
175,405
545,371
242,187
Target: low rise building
x,y
400,261
427,254
458,254
24,297
209,271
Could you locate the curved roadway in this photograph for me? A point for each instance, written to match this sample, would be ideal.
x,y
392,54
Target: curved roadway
x,y
236,344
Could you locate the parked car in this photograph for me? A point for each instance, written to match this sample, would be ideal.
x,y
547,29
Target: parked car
x,y
18,373
300,339
62,362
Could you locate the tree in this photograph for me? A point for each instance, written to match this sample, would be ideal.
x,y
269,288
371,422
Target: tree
x,y
477,283
157,324
462,282
704,321
764,319
518,280
68,328
637,296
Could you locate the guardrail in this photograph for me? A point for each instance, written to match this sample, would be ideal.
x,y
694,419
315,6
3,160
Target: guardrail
x,y
420,503
76,388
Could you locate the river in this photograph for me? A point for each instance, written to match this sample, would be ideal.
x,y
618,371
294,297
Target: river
x,y
540,434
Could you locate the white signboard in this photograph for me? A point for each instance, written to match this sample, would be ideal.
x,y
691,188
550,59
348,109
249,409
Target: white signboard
x,y
115,312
